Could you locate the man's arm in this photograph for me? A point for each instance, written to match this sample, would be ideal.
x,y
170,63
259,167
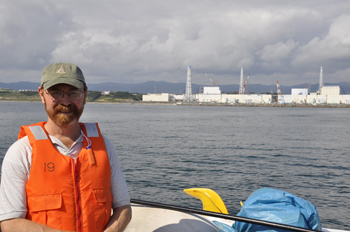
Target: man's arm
x,y
21,224
119,220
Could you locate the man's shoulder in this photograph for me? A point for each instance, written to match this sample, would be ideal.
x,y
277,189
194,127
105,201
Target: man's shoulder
x,y
108,143
111,152
19,151
21,143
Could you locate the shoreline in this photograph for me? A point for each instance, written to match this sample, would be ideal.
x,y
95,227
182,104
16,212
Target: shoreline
x,y
214,104
227,104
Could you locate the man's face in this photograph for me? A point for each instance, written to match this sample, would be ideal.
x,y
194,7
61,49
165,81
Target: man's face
x,y
63,111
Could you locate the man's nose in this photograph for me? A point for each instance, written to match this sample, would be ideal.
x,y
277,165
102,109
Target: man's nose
x,y
65,99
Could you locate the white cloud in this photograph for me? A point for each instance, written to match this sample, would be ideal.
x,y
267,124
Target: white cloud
x,y
276,51
29,31
137,41
275,56
334,48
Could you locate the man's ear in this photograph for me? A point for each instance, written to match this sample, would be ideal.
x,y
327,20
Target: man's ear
x,y
85,94
41,93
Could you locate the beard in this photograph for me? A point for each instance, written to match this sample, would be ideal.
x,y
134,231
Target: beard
x,y
64,120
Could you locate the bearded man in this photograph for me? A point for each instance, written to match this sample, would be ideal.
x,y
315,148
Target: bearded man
x,y
62,175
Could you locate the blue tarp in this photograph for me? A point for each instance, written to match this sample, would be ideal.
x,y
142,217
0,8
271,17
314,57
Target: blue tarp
x,y
278,206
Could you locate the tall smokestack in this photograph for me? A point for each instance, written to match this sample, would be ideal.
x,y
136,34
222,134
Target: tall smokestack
x,y
241,90
321,80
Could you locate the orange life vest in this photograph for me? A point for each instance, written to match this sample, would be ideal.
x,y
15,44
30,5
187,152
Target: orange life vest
x,y
64,194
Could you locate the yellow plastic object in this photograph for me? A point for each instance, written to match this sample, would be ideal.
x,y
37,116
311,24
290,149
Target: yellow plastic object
x,y
210,199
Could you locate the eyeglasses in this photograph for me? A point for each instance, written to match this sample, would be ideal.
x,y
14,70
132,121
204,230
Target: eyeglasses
x,y
72,95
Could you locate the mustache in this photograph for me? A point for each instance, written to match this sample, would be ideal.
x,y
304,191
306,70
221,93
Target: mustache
x,y
65,109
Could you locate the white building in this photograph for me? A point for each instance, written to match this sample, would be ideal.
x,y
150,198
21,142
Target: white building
x,y
157,97
330,90
107,92
210,90
234,98
178,97
329,95
300,91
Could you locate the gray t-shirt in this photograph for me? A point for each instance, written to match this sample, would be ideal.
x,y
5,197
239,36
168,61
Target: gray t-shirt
x,y
16,169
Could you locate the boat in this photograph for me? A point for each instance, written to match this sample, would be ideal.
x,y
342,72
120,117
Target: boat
x,y
157,217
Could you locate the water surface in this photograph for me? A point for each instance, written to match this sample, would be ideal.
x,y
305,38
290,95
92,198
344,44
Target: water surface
x,y
232,150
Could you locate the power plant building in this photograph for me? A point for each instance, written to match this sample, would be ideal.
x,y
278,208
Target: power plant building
x,y
210,90
157,97
324,95
300,91
330,90
234,98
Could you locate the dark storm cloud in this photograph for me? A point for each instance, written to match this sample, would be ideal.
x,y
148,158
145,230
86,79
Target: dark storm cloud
x,y
135,41
29,33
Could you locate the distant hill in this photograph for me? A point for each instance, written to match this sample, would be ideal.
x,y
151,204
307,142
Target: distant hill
x,y
178,88
20,85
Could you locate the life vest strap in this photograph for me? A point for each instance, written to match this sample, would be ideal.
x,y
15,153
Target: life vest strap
x,y
38,132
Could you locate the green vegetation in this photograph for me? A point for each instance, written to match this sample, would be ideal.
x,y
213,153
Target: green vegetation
x,y
20,96
119,96
92,96
6,90
30,93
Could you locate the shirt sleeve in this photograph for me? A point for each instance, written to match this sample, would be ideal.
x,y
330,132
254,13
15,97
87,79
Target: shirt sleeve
x,y
119,188
14,177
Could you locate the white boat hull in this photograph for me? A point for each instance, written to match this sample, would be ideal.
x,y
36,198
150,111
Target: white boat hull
x,y
150,219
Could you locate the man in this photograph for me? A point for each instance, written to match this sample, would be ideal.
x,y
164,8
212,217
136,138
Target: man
x,y
62,175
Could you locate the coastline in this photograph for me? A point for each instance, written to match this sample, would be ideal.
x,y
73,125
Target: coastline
x,y
213,104
227,104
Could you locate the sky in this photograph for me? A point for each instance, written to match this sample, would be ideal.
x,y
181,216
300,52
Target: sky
x,y
136,41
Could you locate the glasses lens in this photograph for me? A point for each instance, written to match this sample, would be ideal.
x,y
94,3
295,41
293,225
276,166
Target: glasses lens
x,y
56,95
74,95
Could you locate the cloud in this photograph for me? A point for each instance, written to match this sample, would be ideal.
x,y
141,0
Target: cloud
x,y
136,41
333,49
274,56
29,31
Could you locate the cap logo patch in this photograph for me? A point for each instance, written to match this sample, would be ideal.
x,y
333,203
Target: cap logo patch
x,y
61,70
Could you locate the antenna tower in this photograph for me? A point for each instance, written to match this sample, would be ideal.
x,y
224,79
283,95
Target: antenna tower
x,y
188,94
241,90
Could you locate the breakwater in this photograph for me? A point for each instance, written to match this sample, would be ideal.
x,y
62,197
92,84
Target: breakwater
x,y
208,104
229,104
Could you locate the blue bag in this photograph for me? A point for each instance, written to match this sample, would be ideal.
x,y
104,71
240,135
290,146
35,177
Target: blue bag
x,y
278,206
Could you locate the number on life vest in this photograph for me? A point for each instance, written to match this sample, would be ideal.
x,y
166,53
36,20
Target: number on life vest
x,y
49,166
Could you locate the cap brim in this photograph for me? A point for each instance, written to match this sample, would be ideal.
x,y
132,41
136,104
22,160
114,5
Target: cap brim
x,y
63,80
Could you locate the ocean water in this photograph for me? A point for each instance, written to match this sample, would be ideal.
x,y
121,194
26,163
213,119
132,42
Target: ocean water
x,y
164,149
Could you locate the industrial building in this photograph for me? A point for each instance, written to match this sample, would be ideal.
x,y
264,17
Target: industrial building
x,y
210,90
158,97
325,94
314,98
330,90
233,98
201,98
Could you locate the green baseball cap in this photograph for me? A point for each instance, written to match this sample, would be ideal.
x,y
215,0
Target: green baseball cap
x,y
62,73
